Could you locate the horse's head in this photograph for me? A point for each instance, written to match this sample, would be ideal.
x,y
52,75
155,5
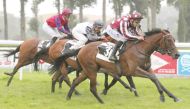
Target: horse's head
x,y
167,45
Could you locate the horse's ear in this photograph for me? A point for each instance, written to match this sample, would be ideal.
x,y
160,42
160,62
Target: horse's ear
x,y
165,31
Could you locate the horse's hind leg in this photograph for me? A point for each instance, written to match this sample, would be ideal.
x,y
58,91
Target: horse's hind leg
x,y
105,84
67,80
76,82
132,85
13,73
64,72
93,88
61,78
54,80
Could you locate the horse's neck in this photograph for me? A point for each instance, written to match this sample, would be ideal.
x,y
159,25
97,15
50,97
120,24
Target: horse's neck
x,y
151,43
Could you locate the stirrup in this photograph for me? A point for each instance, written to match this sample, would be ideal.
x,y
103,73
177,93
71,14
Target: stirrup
x,y
113,58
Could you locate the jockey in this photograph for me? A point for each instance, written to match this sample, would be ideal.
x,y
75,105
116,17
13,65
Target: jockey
x,y
84,32
57,26
125,28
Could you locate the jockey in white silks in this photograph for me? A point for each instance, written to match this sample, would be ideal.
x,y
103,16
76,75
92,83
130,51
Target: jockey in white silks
x,y
84,32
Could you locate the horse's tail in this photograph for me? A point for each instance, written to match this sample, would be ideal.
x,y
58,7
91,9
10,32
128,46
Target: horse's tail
x,y
38,56
13,52
57,64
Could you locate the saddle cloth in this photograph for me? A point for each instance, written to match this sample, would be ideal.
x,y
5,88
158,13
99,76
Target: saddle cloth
x,y
43,44
104,51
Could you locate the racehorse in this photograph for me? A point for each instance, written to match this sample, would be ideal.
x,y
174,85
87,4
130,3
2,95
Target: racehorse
x,y
55,51
133,61
27,53
27,50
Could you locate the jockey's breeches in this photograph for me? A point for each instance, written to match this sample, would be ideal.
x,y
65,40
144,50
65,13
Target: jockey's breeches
x,y
81,39
53,32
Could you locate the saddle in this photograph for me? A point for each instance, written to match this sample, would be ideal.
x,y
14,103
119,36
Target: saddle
x,y
67,52
43,44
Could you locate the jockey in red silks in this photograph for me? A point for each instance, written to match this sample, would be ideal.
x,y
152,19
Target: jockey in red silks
x,y
57,26
125,28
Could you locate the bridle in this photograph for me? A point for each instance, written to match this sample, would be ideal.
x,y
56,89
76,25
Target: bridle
x,y
163,46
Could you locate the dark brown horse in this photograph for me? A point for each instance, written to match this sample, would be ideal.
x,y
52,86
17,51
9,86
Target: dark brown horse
x,y
134,61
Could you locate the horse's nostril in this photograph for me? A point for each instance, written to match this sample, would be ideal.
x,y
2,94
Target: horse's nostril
x,y
177,55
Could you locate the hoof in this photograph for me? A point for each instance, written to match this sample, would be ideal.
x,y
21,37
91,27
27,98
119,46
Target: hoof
x,y
68,98
162,98
101,102
9,74
77,93
136,94
104,92
177,100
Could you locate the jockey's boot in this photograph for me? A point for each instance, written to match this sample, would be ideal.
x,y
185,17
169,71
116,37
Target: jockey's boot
x,y
53,40
113,54
67,52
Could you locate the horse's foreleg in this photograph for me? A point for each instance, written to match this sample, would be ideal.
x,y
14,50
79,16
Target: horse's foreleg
x,y
132,85
76,82
142,73
165,90
117,78
169,93
109,86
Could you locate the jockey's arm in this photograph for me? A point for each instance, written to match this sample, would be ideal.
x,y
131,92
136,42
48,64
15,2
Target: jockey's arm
x,y
126,33
91,35
139,31
59,26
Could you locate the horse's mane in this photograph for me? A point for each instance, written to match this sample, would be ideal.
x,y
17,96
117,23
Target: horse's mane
x,y
154,31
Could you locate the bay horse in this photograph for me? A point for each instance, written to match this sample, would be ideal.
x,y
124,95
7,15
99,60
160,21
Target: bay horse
x,y
55,51
27,53
134,61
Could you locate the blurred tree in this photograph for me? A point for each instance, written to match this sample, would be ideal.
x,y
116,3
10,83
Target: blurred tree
x,y
69,4
104,11
72,4
34,23
73,18
148,8
82,4
184,19
57,5
22,19
118,6
5,20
